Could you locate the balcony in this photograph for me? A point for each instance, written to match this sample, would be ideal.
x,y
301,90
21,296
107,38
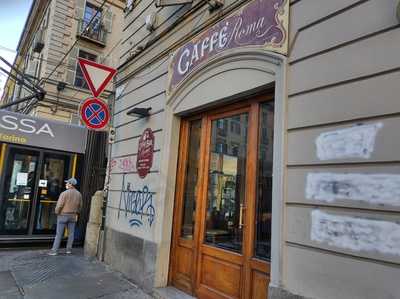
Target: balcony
x,y
95,33
38,41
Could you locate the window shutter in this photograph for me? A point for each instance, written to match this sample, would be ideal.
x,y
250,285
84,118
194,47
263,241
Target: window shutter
x,y
107,19
16,92
79,8
71,66
31,67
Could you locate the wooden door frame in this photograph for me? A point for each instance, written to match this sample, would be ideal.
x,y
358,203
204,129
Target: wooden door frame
x,y
179,197
246,257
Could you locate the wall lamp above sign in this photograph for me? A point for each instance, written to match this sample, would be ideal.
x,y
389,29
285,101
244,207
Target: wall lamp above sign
x,y
140,112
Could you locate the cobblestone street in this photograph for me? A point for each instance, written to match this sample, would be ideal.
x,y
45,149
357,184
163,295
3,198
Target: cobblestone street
x,y
33,274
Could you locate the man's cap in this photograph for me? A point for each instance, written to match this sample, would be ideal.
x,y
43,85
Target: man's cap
x,y
72,181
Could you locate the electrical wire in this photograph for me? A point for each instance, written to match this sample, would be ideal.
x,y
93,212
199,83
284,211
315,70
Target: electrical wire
x,y
8,49
69,51
140,77
73,45
162,62
103,60
31,56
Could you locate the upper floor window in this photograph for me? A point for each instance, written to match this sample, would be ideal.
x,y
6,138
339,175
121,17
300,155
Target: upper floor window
x,y
92,11
91,26
79,79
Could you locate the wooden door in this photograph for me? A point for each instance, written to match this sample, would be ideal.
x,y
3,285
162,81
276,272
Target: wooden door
x,y
221,233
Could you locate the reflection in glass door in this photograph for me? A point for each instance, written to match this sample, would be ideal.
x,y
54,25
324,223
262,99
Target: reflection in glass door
x,y
226,182
18,192
51,183
262,246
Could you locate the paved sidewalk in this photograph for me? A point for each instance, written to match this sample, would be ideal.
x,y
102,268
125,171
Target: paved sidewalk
x,y
32,274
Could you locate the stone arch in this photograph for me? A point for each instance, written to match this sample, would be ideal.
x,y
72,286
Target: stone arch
x,y
231,74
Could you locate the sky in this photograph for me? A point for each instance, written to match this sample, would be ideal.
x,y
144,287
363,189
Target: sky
x,y
13,14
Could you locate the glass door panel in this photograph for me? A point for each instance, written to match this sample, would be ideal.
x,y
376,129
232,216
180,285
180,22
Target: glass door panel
x,y
262,246
18,192
192,168
226,182
51,183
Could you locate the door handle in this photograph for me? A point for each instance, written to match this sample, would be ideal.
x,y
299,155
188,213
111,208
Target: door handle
x,y
241,211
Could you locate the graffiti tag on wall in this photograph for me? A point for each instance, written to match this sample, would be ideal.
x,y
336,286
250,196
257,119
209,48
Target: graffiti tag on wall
x,y
136,205
125,164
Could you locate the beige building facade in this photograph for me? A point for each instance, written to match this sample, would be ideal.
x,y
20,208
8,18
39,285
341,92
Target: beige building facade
x,y
261,170
51,29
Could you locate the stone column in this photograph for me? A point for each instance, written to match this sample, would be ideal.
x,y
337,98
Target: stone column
x,y
94,224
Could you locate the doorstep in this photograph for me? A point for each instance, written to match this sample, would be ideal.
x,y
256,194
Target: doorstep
x,y
170,293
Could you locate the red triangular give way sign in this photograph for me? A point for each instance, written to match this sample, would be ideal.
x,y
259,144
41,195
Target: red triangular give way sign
x,y
96,75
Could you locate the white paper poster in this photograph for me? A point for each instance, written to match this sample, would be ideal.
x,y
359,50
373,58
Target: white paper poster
x,y
22,179
43,183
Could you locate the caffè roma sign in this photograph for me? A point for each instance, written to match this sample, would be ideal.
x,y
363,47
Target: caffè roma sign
x,y
261,23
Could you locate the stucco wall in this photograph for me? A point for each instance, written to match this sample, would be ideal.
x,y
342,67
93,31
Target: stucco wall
x,y
343,69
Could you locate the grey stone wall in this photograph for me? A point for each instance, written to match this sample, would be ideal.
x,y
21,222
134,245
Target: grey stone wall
x,y
281,293
133,256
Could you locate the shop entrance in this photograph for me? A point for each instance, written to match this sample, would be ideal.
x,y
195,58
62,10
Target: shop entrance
x,y
31,182
222,217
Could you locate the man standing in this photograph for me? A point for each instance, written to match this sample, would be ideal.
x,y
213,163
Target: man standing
x,y
68,207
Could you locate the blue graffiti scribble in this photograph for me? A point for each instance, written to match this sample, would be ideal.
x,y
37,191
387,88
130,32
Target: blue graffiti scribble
x,y
135,222
138,203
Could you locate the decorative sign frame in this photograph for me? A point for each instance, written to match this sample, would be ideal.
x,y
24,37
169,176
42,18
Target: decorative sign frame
x,y
261,23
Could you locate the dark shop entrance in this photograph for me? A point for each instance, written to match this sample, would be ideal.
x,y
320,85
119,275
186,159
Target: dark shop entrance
x,y
32,180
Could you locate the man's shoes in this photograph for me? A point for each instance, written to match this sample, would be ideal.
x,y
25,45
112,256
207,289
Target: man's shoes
x,y
52,253
68,252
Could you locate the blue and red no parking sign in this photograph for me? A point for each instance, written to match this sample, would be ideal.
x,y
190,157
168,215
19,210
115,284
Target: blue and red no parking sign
x,y
94,113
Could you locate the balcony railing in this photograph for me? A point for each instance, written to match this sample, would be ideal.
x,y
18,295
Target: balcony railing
x,y
95,32
38,42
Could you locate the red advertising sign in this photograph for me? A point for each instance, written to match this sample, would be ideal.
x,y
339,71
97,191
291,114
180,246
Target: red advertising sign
x,y
144,160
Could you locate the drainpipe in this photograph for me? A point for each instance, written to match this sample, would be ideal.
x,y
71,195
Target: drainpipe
x,y
108,172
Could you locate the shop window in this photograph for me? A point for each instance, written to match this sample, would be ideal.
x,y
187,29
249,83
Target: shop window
x,y
79,79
